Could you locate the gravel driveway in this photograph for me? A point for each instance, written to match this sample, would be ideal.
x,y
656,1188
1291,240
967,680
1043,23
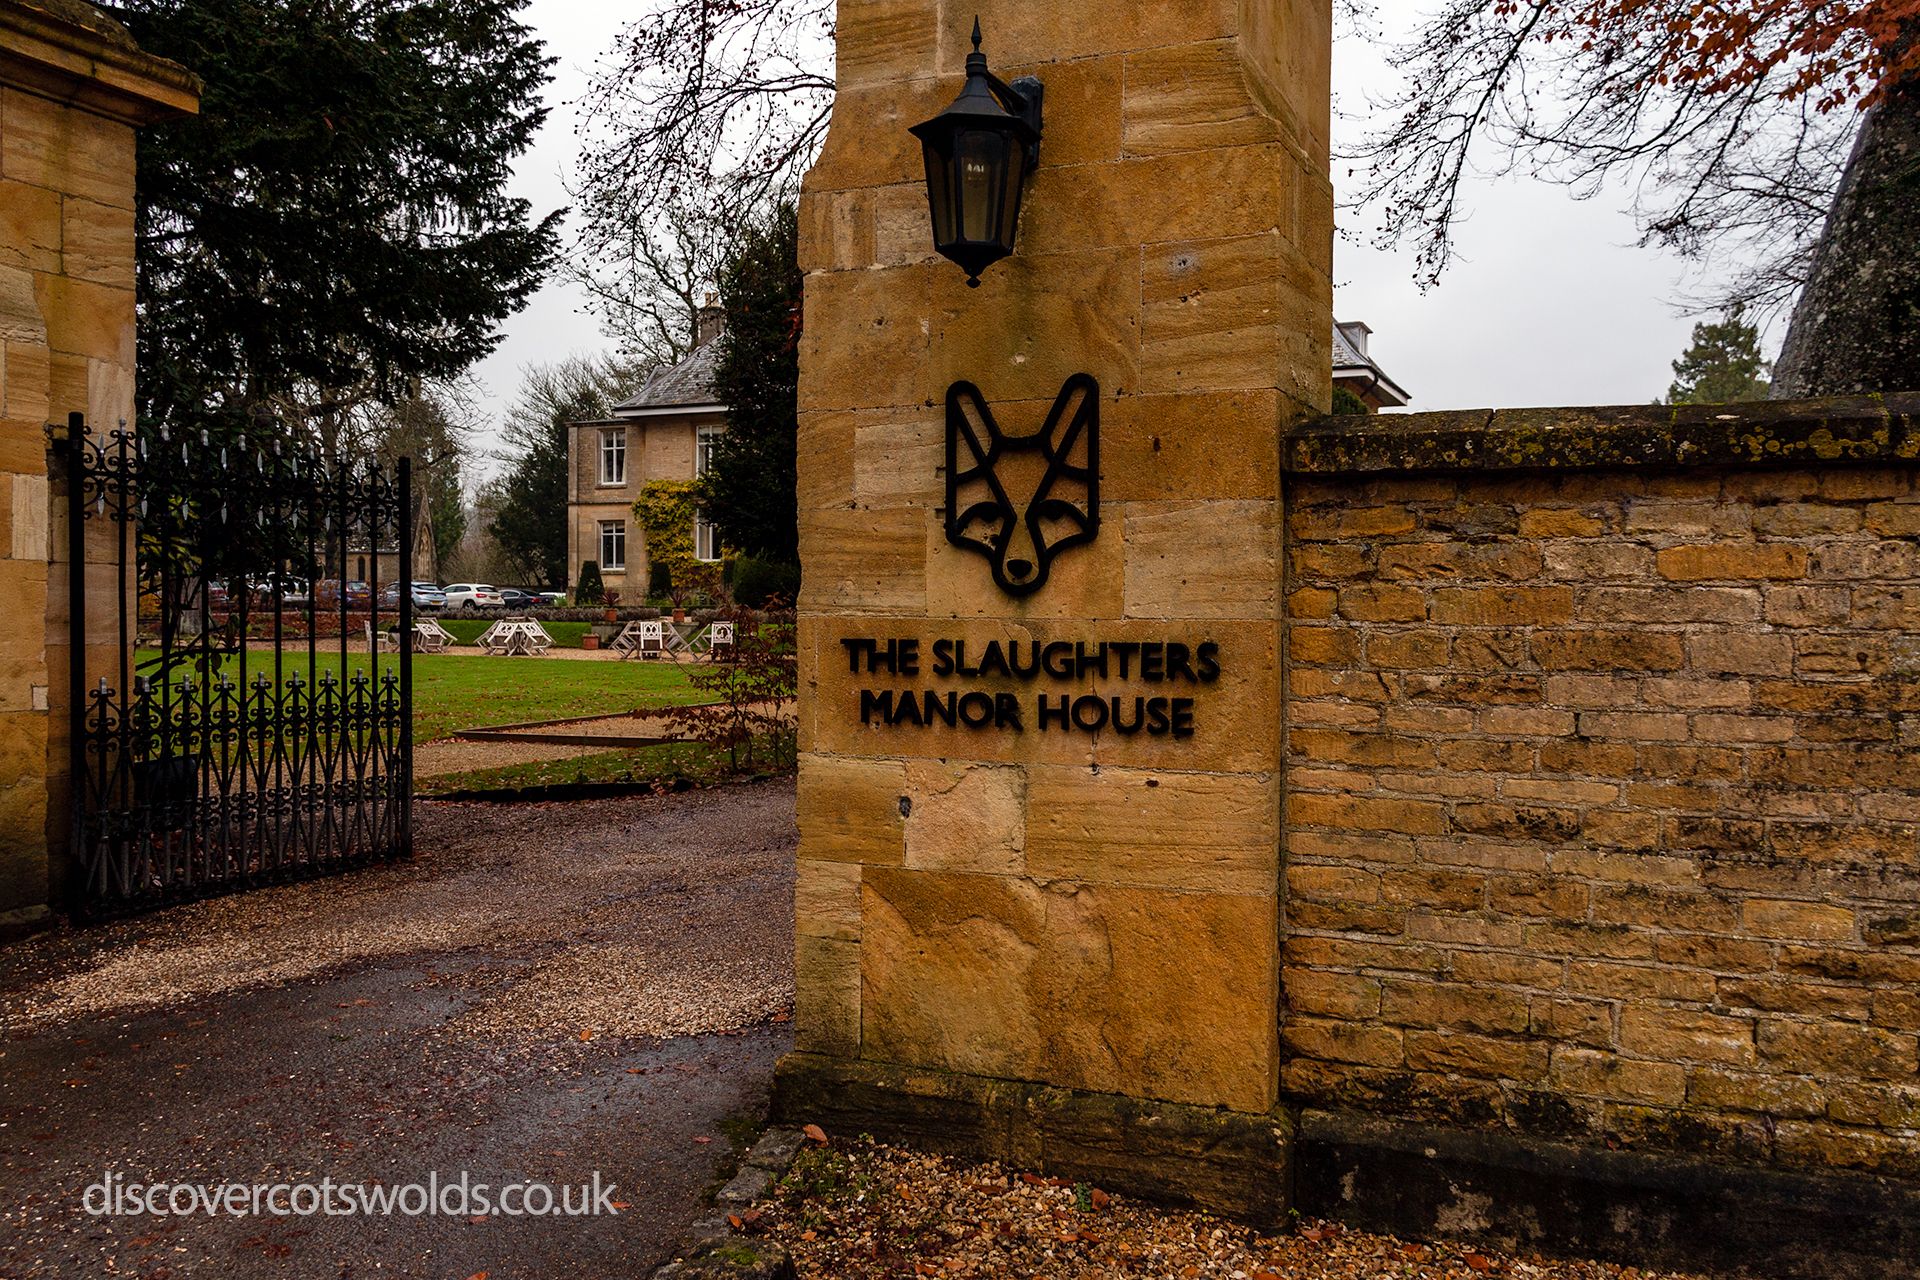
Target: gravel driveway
x,y
543,993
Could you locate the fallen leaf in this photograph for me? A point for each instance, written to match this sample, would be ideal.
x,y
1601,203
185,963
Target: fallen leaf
x,y
703,1140
733,1220
1100,1199
1478,1262
815,1132
586,1035
478,1275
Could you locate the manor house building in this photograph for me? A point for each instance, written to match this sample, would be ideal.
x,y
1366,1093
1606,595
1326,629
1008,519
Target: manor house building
x,y
663,432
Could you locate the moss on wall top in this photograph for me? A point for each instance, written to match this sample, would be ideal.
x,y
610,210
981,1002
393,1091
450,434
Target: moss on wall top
x,y
1840,430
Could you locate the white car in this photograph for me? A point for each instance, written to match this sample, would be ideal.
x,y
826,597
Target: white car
x,y
470,597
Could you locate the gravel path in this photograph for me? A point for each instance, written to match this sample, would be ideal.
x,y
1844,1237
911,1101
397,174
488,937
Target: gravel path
x,y
544,992
456,755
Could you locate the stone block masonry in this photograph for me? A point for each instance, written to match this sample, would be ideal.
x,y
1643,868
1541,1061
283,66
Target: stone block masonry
x,y
1060,936
73,86
1603,814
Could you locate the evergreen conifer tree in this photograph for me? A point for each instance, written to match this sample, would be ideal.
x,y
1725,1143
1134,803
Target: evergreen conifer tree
x,y
1723,366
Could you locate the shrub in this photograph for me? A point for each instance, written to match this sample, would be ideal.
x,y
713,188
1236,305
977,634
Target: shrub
x,y
752,693
589,590
755,581
1344,401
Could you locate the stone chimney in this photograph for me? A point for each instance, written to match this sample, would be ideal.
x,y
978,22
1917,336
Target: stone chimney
x,y
708,321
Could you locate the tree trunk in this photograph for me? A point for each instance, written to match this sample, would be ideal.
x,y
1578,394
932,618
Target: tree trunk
x,y
1856,328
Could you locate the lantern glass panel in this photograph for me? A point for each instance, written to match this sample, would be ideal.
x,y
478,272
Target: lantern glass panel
x,y
1016,175
980,158
940,192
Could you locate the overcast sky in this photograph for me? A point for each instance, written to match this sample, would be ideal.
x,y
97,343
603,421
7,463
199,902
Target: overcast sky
x,y
1553,302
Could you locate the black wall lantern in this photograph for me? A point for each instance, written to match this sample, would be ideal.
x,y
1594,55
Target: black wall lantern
x,y
979,152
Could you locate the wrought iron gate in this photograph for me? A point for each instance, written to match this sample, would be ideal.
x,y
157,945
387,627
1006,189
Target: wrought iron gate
x,y
242,715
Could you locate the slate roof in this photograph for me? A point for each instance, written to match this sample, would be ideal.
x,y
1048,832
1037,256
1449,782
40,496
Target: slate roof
x,y
1345,354
686,385
1350,361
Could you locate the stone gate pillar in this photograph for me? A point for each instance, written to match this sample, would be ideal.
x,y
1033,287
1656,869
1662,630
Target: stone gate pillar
x,y
73,87
1041,932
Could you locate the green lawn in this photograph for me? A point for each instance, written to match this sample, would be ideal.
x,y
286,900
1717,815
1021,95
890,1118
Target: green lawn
x,y
452,692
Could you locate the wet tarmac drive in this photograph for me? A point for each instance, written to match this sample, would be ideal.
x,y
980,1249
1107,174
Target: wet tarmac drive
x,y
600,988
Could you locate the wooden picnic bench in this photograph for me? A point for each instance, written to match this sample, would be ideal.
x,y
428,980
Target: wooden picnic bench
x,y
516,637
430,637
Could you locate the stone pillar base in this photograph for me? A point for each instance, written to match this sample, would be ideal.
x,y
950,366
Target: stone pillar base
x,y
1225,1161
1641,1208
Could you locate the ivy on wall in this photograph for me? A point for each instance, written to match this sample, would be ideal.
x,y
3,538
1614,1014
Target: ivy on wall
x,y
665,511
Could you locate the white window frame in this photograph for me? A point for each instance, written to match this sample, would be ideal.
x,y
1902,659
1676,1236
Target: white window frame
x,y
706,539
613,545
613,456
703,441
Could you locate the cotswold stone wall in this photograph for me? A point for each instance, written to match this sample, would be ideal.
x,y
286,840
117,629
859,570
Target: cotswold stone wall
x,y
1603,777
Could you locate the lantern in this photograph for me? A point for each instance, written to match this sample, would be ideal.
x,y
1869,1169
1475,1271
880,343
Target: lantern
x,y
979,152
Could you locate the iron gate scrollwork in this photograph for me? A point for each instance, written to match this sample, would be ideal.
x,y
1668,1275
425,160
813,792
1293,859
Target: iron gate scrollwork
x,y
244,716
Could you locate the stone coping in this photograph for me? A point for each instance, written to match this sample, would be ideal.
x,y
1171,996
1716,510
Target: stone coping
x,y
1856,430
72,52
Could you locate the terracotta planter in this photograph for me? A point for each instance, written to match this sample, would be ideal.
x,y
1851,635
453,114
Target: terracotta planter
x,y
589,641
679,615
611,616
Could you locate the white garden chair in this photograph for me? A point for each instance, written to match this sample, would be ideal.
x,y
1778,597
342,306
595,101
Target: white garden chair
x,y
641,639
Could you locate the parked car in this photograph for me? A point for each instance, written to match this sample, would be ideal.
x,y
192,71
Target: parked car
x,y
520,601
552,599
471,597
427,596
359,594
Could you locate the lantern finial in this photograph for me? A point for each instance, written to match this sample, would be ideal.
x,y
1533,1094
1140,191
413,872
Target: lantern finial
x,y
976,33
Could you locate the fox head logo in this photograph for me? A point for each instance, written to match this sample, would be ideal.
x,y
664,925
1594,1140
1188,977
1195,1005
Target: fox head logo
x,y
1022,500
